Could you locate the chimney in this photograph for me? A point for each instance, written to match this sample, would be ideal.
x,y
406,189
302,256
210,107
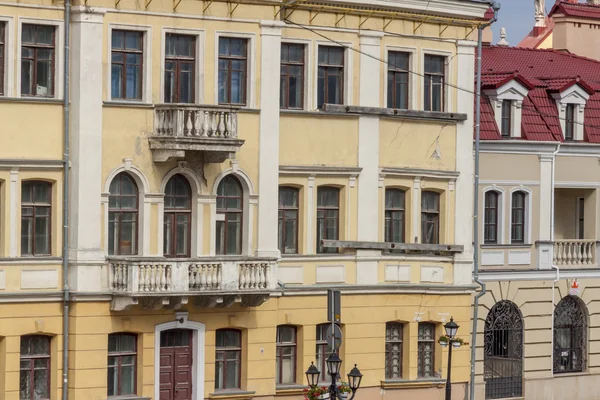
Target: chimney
x,y
574,34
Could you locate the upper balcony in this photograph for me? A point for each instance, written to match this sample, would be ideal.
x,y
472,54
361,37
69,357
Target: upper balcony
x,y
213,282
184,128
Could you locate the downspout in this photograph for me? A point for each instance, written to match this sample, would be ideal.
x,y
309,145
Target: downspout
x,y
496,7
552,241
65,210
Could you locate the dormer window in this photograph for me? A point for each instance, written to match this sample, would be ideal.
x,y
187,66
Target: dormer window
x,y
569,122
506,128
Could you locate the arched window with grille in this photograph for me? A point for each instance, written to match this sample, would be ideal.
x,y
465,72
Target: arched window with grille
x,y
123,215
503,352
570,335
177,217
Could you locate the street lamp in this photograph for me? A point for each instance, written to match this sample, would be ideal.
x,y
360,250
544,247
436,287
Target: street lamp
x,y
451,330
334,363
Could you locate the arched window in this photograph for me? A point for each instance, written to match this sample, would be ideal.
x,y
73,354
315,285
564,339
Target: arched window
x,y
36,216
178,217
122,216
394,215
430,217
34,381
503,352
229,216
518,214
490,231
570,335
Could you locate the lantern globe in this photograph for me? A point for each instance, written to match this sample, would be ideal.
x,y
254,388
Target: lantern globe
x,y
312,375
451,328
354,378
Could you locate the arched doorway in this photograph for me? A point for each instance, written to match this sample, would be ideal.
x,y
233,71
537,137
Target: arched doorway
x,y
503,352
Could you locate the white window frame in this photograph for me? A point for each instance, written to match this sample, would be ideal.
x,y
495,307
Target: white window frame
x,y
448,105
59,45
146,60
200,56
9,56
250,67
307,70
577,96
528,216
578,213
515,92
412,81
348,81
501,215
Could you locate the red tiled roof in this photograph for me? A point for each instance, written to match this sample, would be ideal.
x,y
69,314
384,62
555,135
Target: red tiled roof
x,y
582,10
536,37
544,72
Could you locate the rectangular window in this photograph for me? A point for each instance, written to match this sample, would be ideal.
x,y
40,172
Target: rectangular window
x,y
286,355
328,217
491,218
34,380
36,207
430,218
435,73
426,350
580,218
322,351
127,56
517,234
506,118
398,80
233,70
288,220
394,215
180,68
292,76
2,54
393,350
570,122
330,87
228,368
37,60
122,354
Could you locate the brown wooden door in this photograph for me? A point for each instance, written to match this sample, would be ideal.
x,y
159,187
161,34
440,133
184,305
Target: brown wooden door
x,y
176,365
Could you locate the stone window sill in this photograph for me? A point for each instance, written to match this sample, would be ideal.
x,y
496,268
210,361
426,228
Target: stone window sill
x,y
506,246
418,383
232,394
131,397
127,103
289,390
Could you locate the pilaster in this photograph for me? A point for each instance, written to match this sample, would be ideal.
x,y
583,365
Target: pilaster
x,y
268,148
13,213
463,190
544,246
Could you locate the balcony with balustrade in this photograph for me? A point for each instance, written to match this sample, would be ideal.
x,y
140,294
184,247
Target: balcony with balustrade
x,y
180,129
215,282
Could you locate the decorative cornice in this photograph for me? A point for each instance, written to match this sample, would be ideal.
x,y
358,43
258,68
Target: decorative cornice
x,y
421,173
303,170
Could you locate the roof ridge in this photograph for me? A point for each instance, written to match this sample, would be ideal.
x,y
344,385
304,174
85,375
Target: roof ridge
x,y
559,52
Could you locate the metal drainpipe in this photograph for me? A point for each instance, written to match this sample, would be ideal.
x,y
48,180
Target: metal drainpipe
x,y
65,211
555,267
495,6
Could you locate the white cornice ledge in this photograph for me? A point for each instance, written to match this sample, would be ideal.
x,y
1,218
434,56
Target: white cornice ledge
x,y
421,173
538,275
540,148
304,170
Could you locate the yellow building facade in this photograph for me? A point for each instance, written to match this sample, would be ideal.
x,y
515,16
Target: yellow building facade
x,y
229,162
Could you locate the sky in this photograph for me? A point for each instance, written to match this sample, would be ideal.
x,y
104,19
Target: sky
x,y
517,17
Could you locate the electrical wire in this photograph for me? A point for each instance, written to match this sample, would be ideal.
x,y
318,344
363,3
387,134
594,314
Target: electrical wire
x,y
469,91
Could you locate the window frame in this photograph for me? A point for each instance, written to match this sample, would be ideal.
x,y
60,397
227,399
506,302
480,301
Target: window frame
x,y
437,214
136,248
279,346
321,352
325,209
496,222
179,60
124,52
392,211
578,314
303,76
226,211
343,75
34,206
225,359
173,213
119,355
3,55
36,47
526,212
389,353
31,370
281,218
58,55
506,108
445,93
248,85
569,134
391,102
421,351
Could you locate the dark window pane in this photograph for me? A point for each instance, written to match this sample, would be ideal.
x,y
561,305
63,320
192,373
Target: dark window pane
x,y
123,215
232,70
37,62
180,68
229,205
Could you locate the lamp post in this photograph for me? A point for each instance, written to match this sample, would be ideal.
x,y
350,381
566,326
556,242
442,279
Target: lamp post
x,y
334,364
451,329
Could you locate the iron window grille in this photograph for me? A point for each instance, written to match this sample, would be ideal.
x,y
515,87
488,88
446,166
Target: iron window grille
x,y
394,332
426,350
570,336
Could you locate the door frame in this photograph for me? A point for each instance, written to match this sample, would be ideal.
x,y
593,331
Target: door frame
x,y
198,339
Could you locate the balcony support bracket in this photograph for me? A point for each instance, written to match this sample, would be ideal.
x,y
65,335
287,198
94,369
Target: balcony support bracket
x,y
121,303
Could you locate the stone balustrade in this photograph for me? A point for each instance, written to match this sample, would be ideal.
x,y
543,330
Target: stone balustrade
x,y
179,120
572,252
254,276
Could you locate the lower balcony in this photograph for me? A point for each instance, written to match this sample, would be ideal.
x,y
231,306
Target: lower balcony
x,y
575,253
211,282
